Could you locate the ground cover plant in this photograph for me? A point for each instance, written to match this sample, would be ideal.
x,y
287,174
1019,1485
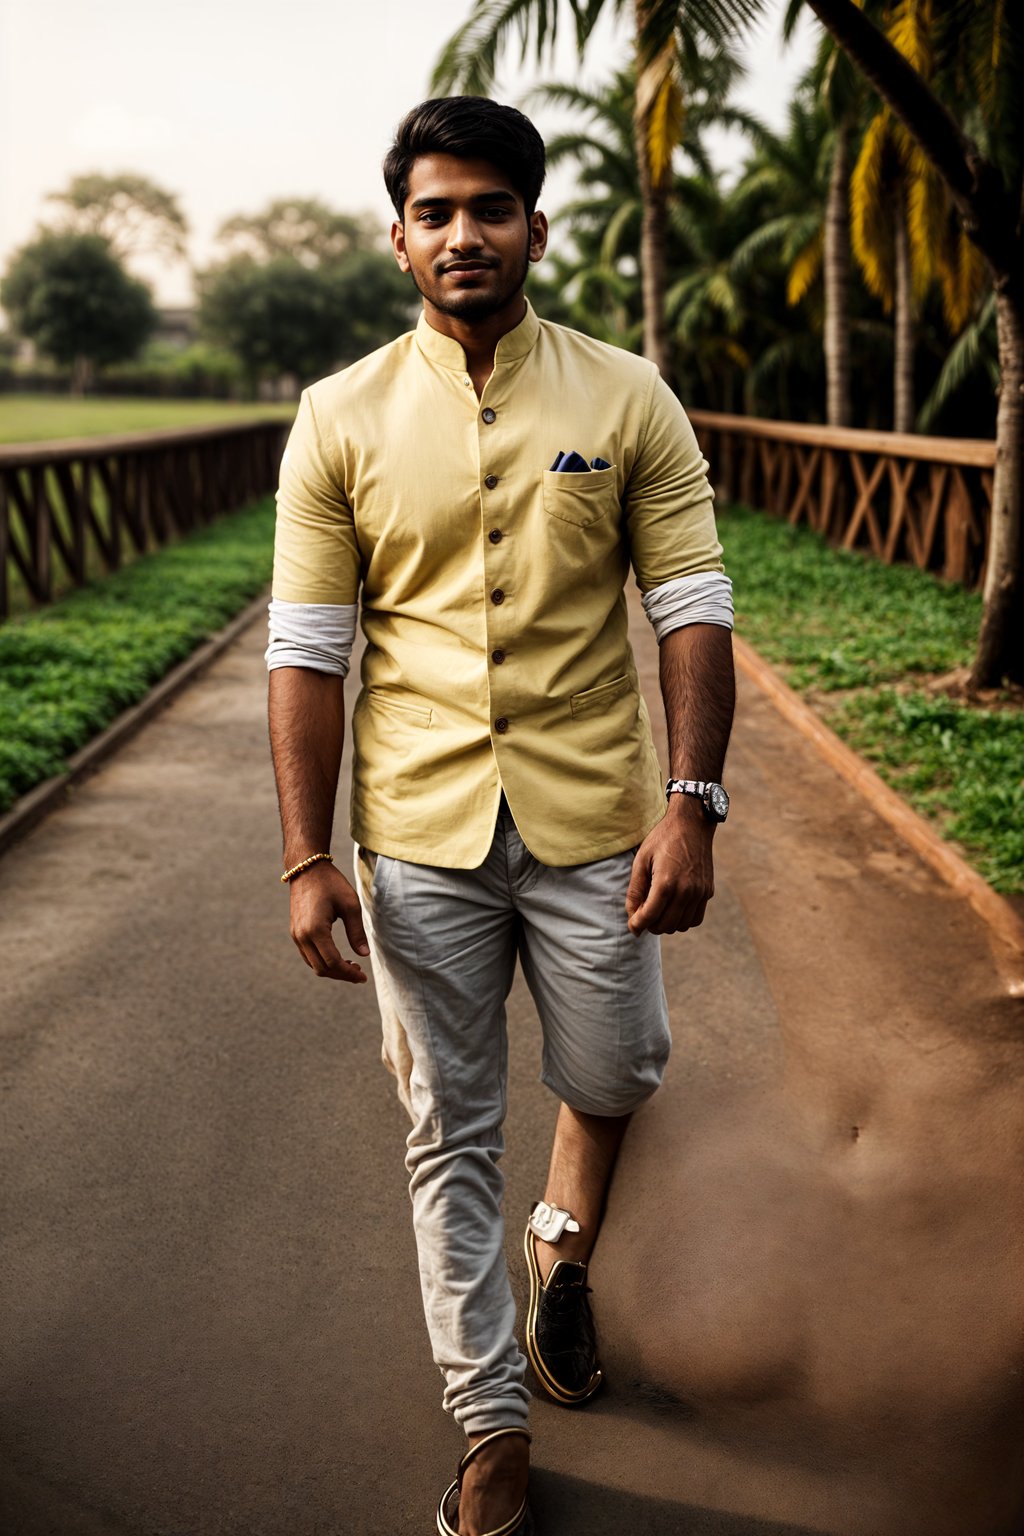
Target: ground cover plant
x,y
67,670
867,644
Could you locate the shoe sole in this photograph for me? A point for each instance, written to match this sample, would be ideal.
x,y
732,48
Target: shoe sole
x,y
554,1389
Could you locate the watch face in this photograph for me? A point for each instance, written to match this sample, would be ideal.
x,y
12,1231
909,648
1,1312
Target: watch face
x,y
719,801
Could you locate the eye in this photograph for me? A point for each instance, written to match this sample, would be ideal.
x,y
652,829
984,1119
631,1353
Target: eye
x,y
431,216
497,212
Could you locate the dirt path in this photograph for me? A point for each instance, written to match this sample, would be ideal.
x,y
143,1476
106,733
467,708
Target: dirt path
x,y
807,1287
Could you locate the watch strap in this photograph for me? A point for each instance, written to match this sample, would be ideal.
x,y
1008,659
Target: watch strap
x,y
685,787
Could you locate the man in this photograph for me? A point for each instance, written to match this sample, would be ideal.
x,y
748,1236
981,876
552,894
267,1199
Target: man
x,y
506,794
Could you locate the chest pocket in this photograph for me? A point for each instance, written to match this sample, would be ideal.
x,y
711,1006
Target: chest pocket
x,y
580,499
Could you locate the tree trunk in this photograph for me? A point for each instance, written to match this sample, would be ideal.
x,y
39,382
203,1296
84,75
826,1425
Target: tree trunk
x,y
903,339
652,255
81,375
837,284
1000,650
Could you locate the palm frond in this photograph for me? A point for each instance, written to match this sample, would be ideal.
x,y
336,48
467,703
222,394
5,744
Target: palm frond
x,y
659,106
870,226
760,240
971,353
963,277
614,237
468,61
804,272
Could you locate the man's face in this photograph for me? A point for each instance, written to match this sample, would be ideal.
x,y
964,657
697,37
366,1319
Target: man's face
x,y
465,237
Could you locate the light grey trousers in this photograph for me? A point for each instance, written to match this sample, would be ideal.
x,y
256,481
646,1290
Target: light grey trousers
x,y
443,947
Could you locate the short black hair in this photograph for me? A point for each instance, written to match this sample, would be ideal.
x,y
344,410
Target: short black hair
x,y
471,128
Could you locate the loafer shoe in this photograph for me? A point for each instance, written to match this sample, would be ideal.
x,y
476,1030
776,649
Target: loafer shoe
x,y
561,1340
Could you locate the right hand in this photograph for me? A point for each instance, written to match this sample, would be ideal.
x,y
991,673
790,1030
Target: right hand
x,y
319,896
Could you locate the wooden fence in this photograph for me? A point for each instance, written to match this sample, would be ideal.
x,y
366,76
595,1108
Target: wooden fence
x,y
927,500
85,505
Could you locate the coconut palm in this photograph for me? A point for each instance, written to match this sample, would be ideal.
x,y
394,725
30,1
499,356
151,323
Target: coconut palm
x,y
970,125
904,236
668,40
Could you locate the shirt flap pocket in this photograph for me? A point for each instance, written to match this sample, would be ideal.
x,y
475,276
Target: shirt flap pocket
x,y
410,714
599,698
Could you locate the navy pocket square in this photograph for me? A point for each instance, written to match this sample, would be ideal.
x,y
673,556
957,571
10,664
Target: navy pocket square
x,y
574,463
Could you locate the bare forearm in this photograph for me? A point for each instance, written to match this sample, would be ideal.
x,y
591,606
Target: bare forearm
x,y
307,731
673,871
699,691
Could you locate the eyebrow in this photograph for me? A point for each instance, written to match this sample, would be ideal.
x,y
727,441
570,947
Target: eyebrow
x,y
481,197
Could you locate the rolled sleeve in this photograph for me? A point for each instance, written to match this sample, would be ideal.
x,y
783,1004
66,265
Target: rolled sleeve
x,y
316,555
668,499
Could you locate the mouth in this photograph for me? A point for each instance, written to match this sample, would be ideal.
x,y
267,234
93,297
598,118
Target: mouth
x,y
469,266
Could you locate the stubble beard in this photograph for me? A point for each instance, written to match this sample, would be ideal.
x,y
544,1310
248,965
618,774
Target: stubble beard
x,y
469,305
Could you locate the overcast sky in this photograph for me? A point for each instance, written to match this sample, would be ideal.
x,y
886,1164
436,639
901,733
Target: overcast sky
x,y
229,103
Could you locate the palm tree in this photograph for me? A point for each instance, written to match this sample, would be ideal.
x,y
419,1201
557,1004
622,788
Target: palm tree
x,y
668,41
977,146
903,235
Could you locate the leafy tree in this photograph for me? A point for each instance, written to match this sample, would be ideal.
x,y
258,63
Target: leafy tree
x,y
70,295
282,317
303,228
131,212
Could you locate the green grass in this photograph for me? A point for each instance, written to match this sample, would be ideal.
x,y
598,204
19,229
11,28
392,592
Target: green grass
x,y
68,670
38,418
860,639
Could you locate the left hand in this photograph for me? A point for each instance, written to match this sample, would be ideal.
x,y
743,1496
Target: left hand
x,y
673,876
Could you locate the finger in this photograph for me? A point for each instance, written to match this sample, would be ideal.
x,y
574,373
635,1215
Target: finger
x,y
321,955
331,959
649,914
309,953
352,917
302,952
639,881
685,913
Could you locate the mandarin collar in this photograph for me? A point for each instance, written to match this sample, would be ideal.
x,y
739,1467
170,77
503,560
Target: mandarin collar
x,y
446,351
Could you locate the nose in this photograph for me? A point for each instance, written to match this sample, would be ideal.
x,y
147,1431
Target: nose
x,y
464,233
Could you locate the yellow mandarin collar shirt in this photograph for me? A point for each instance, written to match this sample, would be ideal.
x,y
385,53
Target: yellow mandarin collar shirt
x,y
491,588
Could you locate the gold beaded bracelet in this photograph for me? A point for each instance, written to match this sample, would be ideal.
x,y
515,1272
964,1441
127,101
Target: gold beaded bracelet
x,y
296,869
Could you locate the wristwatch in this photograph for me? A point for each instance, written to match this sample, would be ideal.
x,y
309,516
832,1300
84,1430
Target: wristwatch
x,y
712,796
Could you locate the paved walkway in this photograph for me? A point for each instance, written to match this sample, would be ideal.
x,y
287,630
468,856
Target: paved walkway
x,y
807,1286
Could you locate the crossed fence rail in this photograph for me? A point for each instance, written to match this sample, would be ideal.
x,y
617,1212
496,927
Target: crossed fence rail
x,y
84,506
927,500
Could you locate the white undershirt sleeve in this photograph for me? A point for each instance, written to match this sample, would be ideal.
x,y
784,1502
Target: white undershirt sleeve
x,y
702,598
316,635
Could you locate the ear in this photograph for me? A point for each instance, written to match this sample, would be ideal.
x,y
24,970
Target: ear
x,y
538,235
398,245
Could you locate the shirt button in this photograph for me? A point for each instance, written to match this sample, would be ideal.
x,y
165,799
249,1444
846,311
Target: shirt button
x,y
497,657
488,415
490,481
497,596
501,725
495,535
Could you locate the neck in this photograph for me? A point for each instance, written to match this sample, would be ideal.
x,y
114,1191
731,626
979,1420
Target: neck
x,y
478,338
